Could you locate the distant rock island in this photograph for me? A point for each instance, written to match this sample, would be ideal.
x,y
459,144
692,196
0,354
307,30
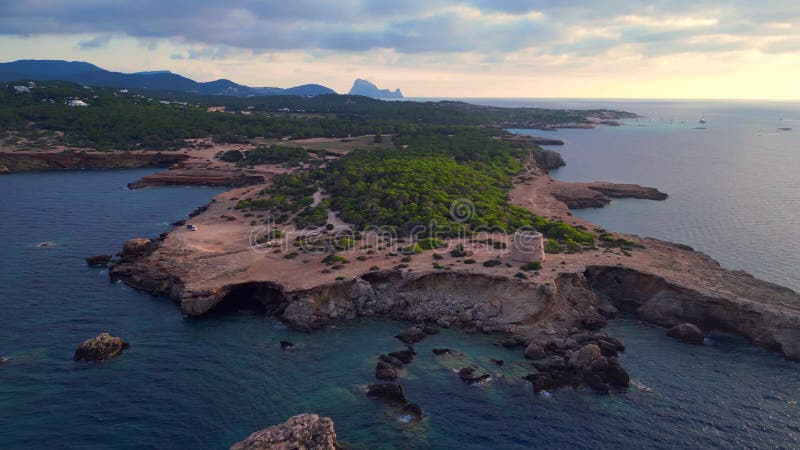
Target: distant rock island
x,y
164,80
367,89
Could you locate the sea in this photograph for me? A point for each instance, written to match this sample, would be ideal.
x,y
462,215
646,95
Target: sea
x,y
208,382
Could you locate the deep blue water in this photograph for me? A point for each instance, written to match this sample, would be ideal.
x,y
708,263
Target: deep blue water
x,y
208,382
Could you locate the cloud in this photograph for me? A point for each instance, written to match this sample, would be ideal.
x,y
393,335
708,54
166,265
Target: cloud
x,y
95,42
490,27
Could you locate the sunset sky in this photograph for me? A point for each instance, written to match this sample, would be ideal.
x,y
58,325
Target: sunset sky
x,y
479,48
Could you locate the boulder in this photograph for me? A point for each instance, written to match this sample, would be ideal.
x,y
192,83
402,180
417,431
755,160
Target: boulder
x,y
287,345
391,393
687,332
599,365
305,431
412,335
596,382
509,343
100,348
384,371
498,362
535,350
98,260
607,310
583,358
616,375
414,410
404,356
391,360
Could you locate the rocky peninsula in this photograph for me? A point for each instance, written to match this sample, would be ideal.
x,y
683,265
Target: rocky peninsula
x,y
666,284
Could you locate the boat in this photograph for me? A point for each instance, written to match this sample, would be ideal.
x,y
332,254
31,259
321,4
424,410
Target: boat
x,y
702,120
191,227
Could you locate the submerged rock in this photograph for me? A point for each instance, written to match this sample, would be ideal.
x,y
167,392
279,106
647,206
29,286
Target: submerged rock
x,y
98,260
100,348
287,345
391,393
416,333
414,410
442,351
687,332
304,431
468,376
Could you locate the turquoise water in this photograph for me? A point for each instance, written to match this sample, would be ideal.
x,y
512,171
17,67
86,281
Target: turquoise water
x,y
208,382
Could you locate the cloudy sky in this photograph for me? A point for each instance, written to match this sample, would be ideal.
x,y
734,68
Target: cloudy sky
x,y
478,48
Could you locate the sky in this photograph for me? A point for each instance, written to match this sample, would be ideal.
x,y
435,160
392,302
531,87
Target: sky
x,y
432,48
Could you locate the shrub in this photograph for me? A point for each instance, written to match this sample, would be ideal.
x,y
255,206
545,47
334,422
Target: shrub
x,y
437,256
492,263
469,261
430,243
533,265
521,275
333,259
412,249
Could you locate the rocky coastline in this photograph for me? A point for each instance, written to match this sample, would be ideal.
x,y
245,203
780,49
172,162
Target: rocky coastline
x,y
12,162
554,316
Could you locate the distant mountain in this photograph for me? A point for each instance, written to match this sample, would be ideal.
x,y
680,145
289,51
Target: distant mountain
x,y
367,89
89,74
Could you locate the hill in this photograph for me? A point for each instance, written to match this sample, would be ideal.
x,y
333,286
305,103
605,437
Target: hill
x,y
89,74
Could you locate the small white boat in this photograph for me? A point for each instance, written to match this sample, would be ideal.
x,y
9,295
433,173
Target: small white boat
x,y
191,227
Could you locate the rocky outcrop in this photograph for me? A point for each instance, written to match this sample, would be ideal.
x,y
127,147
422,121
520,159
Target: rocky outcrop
x,y
546,160
579,360
599,194
392,394
367,89
100,348
766,313
98,260
71,160
136,248
171,178
687,332
301,432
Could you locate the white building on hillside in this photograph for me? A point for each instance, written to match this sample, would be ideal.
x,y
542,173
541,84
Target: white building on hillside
x,y
77,103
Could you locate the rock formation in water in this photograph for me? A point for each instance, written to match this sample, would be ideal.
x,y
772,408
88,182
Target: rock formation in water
x,y
687,332
367,89
98,260
301,432
100,348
